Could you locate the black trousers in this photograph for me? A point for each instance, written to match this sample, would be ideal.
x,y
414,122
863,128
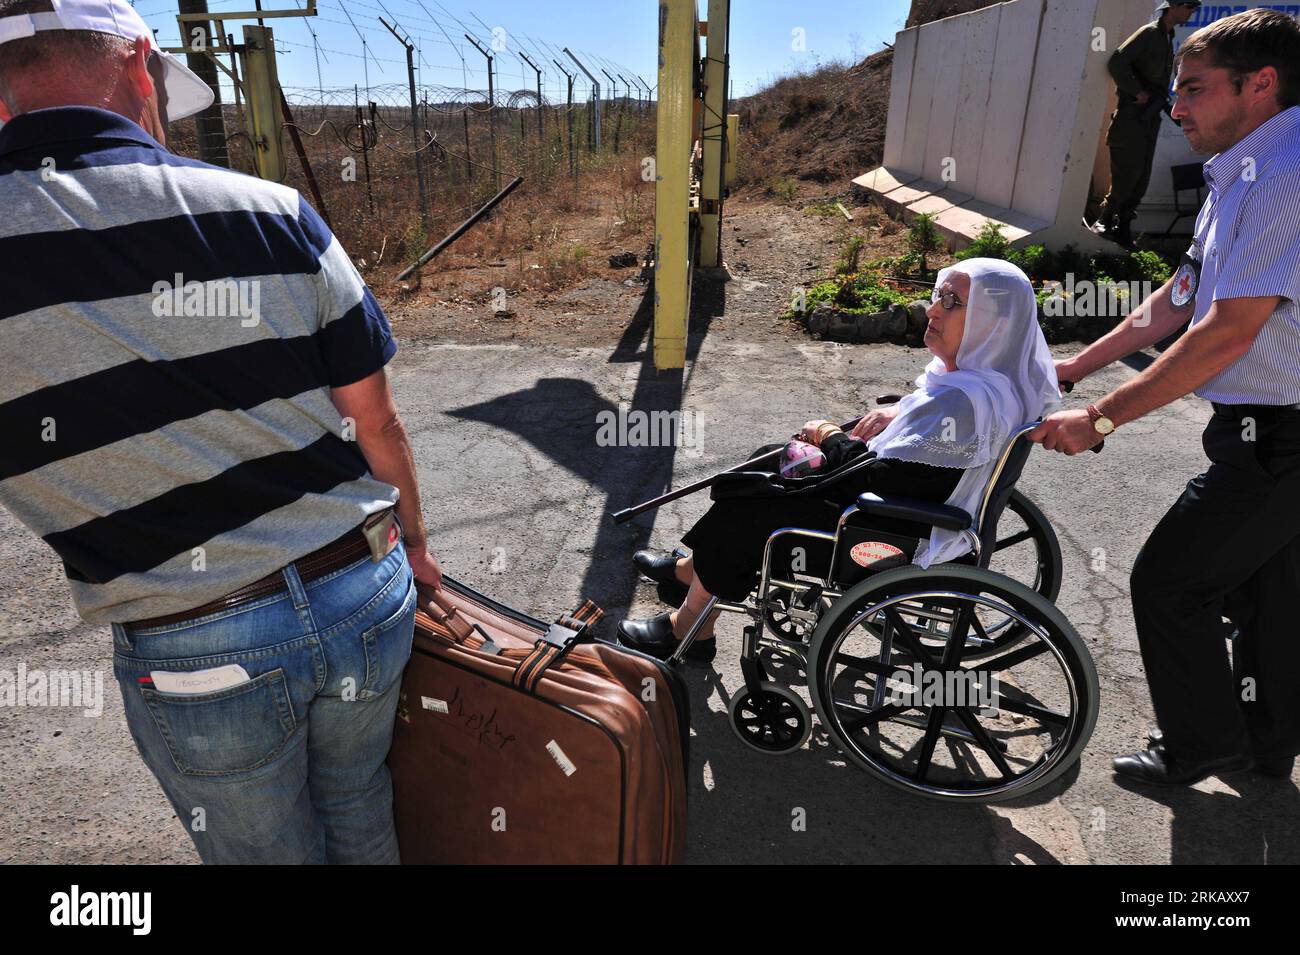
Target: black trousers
x,y
1230,546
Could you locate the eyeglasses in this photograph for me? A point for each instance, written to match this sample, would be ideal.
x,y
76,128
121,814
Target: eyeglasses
x,y
948,297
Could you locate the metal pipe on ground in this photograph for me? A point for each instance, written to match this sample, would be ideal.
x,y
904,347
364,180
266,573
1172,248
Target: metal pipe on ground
x,y
458,231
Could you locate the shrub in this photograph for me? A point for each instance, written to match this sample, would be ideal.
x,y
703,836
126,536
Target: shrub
x,y
898,266
849,256
865,293
923,239
1151,267
414,241
822,207
1032,260
989,244
782,188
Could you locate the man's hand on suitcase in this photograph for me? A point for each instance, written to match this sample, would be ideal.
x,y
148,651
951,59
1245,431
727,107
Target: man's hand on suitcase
x,y
425,566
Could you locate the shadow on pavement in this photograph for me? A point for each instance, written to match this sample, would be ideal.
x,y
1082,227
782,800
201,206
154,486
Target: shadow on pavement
x,y
560,418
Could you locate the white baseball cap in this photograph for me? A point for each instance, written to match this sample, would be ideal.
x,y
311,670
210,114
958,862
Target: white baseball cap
x,y
186,93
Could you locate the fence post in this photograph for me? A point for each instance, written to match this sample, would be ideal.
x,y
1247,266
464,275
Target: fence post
x,y
595,86
538,70
365,144
618,120
492,111
568,113
415,124
196,36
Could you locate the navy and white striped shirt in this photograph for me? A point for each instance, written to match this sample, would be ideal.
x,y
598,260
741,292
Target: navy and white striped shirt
x,y
169,335
1249,234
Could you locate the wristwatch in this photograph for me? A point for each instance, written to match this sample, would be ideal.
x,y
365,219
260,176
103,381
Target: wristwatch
x,y
1100,423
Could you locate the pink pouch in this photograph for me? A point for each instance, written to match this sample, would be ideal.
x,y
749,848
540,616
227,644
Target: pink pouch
x,y
800,459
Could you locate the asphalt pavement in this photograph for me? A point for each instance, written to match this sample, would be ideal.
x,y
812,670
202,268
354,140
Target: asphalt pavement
x,y
519,478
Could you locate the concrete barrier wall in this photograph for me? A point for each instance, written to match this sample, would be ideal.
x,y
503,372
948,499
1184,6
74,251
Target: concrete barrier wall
x,y
1009,88
984,118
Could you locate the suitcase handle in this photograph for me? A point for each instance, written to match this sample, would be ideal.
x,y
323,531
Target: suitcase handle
x,y
445,613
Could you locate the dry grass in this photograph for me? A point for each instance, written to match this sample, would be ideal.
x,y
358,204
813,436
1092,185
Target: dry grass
x,y
553,230
820,127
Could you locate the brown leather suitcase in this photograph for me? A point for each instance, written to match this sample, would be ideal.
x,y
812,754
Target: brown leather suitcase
x,y
522,742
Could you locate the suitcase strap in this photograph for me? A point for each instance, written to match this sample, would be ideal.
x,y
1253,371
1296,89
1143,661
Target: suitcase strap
x,y
444,612
551,646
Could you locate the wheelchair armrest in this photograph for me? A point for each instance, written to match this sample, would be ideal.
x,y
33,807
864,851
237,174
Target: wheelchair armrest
x,y
944,516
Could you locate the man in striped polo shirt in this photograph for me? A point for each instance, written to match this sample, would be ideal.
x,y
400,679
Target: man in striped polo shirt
x,y
1230,545
197,419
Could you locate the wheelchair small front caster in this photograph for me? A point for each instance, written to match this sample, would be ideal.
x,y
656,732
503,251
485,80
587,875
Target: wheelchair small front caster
x,y
777,721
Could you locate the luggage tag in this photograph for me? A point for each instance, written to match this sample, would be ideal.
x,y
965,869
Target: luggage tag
x,y
382,532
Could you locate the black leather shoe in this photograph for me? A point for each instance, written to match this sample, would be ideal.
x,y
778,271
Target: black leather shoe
x,y
1156,766
1280,766
662,569
655,637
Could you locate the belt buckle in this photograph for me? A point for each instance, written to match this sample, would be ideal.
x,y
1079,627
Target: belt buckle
x,y
382,532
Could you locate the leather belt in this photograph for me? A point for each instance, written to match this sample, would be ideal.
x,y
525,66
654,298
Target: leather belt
x,y
343,551
1237,411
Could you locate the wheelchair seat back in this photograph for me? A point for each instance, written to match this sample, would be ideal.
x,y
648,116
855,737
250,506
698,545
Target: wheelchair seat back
x,y
1005,476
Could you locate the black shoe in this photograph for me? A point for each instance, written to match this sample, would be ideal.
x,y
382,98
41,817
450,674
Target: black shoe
x,y
1280,766
1156,766
662,569
655,637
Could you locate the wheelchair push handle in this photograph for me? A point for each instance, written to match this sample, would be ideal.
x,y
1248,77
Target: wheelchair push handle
x,y
1067,387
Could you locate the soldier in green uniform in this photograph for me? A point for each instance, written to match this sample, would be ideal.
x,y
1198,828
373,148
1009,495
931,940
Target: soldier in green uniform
x,y
1141,68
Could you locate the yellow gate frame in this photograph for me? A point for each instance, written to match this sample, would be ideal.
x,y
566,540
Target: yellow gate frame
x,y
674,151
694,163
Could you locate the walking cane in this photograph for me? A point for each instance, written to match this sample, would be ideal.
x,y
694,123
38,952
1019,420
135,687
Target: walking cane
x,y
625,515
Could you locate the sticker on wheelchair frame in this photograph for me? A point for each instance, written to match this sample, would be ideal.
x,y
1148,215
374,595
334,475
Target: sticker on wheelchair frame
x,y
438,706
561,759
872,552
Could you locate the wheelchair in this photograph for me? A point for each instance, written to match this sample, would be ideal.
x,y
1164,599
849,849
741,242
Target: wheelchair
x,y
959,682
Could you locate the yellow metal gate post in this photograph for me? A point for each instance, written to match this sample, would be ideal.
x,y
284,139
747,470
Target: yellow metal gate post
x,y
674,146
262,89
713,135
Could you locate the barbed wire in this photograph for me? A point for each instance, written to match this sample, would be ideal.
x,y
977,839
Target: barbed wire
x,y
500,39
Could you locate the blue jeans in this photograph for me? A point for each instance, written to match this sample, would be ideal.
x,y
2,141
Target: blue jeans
x,y
289,766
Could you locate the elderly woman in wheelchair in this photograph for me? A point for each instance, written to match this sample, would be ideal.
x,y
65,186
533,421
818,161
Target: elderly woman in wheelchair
x,y
872,572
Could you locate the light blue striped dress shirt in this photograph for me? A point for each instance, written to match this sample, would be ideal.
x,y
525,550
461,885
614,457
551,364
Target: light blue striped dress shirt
x,y
1248,232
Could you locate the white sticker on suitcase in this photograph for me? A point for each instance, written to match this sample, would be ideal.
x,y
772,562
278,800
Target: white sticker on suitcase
x,y
561,760
438,706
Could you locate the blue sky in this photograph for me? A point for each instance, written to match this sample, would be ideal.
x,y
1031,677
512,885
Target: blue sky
x,y
619,34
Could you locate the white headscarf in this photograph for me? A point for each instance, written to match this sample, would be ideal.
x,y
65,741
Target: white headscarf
x,y
1005,379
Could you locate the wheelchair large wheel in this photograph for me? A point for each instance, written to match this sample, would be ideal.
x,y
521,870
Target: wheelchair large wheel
x,y
921,717
1027,551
